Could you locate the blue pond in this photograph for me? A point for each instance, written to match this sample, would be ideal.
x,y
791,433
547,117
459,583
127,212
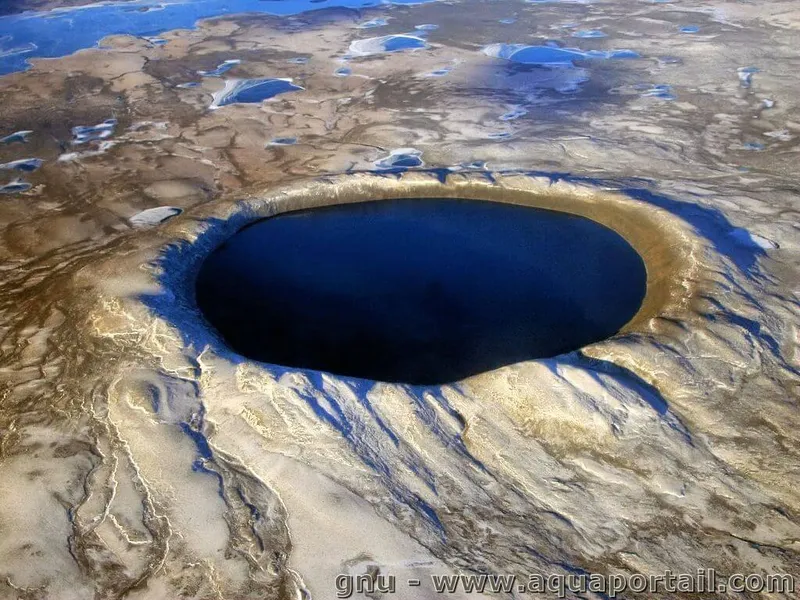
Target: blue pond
x,y
26,165
400,42
418,291
19,136
283,141
406,158
551,55
15,187
221,69
252,91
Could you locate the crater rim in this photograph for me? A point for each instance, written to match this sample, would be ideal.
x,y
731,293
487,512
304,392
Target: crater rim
x,y
662,240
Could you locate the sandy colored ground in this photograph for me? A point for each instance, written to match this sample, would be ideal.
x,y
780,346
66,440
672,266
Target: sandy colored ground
x,y
141,459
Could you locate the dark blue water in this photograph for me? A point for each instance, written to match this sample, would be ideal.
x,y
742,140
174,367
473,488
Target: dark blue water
x,y
221,68
254,91
419,291
402,42
62,32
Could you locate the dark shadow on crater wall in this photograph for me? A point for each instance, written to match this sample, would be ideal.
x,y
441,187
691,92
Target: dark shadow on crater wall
x,y
419,291
710,222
